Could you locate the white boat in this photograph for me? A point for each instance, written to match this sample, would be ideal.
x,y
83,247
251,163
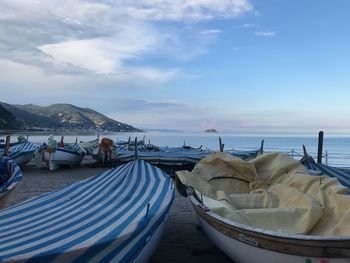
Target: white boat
x,y
68,155
296,228
10,176
116,216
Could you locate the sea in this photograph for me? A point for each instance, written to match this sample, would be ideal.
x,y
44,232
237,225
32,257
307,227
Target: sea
x,y
336,148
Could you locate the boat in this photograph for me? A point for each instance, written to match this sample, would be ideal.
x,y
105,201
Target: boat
x,y
10,176
61,154
269,209
20,152
89,146
177,158
343,175
116,216
247,155
105,151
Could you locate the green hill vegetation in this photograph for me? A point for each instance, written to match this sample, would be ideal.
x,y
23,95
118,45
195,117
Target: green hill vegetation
x,y
63,117
7,120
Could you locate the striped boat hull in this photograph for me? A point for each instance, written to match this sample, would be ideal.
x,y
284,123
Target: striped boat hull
x,y
14,173
111,217
22,152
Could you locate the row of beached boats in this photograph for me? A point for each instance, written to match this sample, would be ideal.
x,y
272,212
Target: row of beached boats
x,y
265,208
106,151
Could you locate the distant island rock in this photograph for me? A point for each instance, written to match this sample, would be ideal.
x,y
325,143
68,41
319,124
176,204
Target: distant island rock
x,y
57,117
211,131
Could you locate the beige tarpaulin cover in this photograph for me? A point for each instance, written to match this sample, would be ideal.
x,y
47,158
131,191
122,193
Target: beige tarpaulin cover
x,y
272,191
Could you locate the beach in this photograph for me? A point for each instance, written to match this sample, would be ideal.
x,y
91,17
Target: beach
x,y
183,240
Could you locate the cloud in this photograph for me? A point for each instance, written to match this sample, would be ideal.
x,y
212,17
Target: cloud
x,y
110,38
249,26
211,32
265,33
187,9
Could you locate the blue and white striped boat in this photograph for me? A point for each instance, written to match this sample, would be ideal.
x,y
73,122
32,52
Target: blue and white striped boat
x,y
10,175
117,216
20,152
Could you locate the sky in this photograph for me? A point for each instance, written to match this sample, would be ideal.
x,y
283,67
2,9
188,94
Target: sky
x,y
241,66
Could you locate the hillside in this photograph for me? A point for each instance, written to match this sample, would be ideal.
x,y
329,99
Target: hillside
x,y
7,120
64,117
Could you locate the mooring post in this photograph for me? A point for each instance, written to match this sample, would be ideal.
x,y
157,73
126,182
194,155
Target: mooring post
x,y
320,147
7,145
221,145
135,148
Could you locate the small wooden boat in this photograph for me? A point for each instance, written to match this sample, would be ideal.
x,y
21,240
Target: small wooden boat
x,y
10,176
116,216
105,152
308,222
62,154
247,155
20,152
343,175
89,146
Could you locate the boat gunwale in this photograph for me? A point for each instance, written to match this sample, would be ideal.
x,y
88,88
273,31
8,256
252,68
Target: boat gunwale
x,y
293,244
265,231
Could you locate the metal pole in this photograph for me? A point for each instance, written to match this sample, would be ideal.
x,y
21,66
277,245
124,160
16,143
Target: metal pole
x,y
326,157
320,147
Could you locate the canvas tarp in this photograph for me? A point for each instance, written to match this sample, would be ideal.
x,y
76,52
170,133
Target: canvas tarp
x,y
272,191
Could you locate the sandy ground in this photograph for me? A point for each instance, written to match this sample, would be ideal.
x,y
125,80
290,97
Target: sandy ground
x,y
182,242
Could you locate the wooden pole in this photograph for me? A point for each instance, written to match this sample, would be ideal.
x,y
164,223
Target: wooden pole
x,y
262,146
320,147
304,151
221,145
7,145
135,148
